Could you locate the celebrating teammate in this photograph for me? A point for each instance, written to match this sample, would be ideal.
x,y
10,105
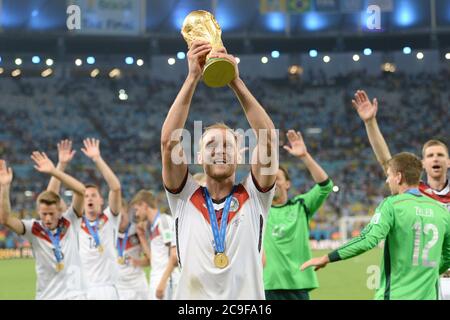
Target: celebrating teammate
x,y
435,160
286,239
416,230
163,255
218,227
54,238
99,230
132,283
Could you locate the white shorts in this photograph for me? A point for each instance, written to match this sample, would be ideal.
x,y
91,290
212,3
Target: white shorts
x,y
102,293
137,292
444,289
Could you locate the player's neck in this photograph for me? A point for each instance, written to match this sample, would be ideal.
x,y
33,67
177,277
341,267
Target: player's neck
x,y
280,199
405,187
219,189
151,215
91,216
437,183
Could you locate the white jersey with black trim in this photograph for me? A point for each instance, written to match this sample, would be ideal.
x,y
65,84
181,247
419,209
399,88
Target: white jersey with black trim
x,y
131,277
242,278
52,284
100,267
162,239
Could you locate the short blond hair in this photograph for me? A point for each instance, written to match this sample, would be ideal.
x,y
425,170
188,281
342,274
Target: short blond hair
x,y
218,125
432,143
409,165
49,198
145,196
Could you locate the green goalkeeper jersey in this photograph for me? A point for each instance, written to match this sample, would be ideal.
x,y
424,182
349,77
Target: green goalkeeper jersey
x,y
286,240
416,230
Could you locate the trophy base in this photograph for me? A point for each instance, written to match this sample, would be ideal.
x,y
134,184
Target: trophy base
x,y
218,72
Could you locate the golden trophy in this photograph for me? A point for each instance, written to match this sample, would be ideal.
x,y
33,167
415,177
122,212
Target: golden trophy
x,y
201,25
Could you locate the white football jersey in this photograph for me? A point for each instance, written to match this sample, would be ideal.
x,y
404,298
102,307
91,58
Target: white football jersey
x,y
100,267
162,239
131,277
52,284
200,278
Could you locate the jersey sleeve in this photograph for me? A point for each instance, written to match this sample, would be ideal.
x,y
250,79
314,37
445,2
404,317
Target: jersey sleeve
x,y
28,225
264,198
72,216
166,228
115,219
177,201
373,233
445,261
315,197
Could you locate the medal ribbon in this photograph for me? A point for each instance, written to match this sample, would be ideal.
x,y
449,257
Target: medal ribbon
x,y
219,234
93,231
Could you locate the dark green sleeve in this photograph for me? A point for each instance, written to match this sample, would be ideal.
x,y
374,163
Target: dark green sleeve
x,y
373,233
445,261
315,197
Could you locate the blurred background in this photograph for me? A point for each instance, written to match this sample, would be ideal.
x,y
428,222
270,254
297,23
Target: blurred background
x,y
116,77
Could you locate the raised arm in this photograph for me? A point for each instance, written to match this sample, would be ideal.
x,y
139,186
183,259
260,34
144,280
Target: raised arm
x,y
65,155
45,165
11,222
265,159
298,149
174,166
92,150
367,111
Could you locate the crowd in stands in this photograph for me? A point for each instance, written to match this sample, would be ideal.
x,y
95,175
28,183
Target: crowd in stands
x,y
36,113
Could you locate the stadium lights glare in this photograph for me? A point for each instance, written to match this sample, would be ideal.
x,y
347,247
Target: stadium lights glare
x,y
264,60
16,72
275,54
420,55
356,58
447,56
1,70
407,50
35,59
90,60
326,59
367,51
78,62
47,72
123,95
0,59
295,70
171,61
68,193
313,53
95,73
114,73
140,62
388,67
49,62
237,60
129,60
18,61
28,193
181,55
335,188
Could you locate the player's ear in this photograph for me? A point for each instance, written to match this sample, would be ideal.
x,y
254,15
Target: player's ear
x,y
288,184
199,157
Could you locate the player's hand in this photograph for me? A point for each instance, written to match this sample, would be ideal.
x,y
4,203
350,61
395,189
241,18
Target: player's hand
x,y
43,163
366,110
91,148
6,174
65,152
318,263
297,146
197,57
140,229
160,290
135,262
222,53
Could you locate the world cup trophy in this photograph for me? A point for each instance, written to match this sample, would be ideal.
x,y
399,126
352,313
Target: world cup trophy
x,y
201,25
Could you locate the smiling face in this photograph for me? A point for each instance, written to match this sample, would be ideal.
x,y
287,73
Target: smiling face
x,y
436,161
218,153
